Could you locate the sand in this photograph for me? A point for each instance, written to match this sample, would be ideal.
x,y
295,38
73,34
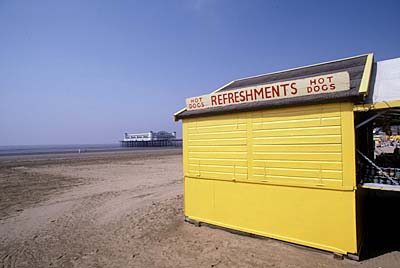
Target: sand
x,y
124,209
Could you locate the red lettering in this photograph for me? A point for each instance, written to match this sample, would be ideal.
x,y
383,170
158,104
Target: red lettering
x,y
294,88
258,93
330,78
309,89
324,87
196,105
213,100
219,99
268,92
332,86
321,80
284,89
316,88
225,97
313,81
236,96
230,97
275,91
249,94
242,96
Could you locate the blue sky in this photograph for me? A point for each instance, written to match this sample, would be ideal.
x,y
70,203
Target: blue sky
x,y
87,71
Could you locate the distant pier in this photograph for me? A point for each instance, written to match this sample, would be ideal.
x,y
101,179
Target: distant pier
x,y
151,139
156,143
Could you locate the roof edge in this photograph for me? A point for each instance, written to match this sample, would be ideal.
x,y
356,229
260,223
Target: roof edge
x,y
364,82
366,77
296,68
176,119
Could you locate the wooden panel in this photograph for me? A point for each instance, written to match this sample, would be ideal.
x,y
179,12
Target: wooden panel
x,y
218,135
297,172
215,129
348,145
275,179
216,154
217,147
223,175
214,142
219,121
220,162
319,218
218,168
285,124
312,148
295,156
298,164
310,131
299,145
304,110
267,117
317,139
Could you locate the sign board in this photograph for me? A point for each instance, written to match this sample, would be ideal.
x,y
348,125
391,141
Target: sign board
x,y
323,84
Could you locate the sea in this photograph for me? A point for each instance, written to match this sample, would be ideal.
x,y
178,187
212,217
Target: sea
x,y
69,148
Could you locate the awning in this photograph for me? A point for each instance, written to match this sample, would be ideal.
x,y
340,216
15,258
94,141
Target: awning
x,y
384,92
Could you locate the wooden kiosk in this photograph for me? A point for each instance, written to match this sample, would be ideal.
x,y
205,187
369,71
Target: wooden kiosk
x,y
276,154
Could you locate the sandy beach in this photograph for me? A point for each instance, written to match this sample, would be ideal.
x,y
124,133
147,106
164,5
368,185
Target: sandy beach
x,y
124,209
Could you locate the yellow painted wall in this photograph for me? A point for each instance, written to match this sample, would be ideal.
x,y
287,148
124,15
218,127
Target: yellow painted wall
x,y
284,173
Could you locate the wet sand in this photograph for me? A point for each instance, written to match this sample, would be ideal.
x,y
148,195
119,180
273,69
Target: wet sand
x,y
124,209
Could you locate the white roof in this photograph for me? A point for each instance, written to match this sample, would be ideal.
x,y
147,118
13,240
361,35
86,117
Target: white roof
x,y
386,86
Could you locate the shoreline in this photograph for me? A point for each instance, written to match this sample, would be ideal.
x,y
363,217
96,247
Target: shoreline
x,y
80,150
58,158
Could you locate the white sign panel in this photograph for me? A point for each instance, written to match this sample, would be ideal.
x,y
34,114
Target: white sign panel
x,y
323,84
